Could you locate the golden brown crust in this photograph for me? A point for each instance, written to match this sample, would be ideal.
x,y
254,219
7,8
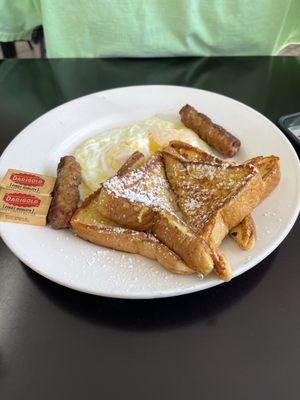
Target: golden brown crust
x,y
268,166
221,265
122,212
213,134
238,207
143,201
89,224
213,197
177,238
133,162
244,190
136,160
132,242
191,153
66,194
192,249
166,227
270,171
132,200
244,233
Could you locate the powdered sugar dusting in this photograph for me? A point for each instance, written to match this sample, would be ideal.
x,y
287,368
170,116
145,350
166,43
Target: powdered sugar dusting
x,y
205,188
146,185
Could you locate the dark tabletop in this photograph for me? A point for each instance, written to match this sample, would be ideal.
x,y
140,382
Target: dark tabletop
x,y
240,340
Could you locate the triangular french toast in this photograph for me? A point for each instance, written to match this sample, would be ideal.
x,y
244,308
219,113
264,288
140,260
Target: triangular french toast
x,y
88,223
268,166
142,200
213,197
244,233
269,169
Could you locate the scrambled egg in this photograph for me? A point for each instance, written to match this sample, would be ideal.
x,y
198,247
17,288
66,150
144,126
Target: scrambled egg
x,y
102,155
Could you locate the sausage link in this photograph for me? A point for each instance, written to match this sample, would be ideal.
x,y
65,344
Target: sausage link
x,y
213,134
66,193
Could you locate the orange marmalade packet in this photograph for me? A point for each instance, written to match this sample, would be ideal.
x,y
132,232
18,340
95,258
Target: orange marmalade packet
x,y
24,208
28,182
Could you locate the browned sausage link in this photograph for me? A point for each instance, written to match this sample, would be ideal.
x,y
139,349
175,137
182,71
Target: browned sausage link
x,y
66,193
213,134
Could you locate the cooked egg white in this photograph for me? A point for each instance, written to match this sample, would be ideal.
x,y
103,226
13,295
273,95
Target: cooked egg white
x,y
102,155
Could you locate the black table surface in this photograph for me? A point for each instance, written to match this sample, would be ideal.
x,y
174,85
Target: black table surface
x,y
239,340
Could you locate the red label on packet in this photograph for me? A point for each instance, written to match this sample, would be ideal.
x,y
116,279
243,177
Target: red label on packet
x,y
29,182
21,200
24,208
27,179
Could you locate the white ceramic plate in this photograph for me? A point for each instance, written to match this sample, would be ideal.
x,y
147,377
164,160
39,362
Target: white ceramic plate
x,y
70,261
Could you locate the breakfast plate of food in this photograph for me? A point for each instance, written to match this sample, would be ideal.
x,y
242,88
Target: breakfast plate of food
x,y
147,191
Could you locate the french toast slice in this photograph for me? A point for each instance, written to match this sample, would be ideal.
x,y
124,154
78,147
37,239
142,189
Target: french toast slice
x,y
213,197
268,166
244,233
88,223
142,200
269,169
